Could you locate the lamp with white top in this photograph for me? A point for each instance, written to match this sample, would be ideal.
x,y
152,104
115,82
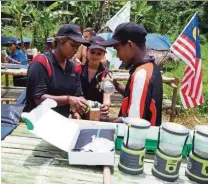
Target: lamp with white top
x,y
171,139
133,148
197,167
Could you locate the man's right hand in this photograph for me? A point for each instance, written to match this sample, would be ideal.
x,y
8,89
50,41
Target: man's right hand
x,y
78,104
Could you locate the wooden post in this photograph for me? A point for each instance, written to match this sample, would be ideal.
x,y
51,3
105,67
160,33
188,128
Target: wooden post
x,y
174,99
107,175
6,80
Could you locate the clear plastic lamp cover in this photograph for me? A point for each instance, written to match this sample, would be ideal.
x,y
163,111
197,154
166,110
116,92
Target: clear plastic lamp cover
x,y
172,138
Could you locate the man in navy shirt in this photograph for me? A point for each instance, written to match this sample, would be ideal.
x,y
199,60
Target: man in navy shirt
x,y
16,56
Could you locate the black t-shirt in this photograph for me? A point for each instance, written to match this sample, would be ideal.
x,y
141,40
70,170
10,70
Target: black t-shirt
x,y
62,82
149,93
91,89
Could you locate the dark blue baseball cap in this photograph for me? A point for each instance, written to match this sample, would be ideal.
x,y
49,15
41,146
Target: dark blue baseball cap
x,y
72,31
127,31
11,41
95,43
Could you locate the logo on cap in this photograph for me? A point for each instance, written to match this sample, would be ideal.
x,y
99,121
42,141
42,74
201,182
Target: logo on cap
x,y
98,41
78,31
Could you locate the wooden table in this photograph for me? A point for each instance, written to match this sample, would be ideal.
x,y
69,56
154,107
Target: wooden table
x,y
27,159
13,72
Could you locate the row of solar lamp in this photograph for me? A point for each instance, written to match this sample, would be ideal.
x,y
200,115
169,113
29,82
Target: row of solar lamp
x,y
172,138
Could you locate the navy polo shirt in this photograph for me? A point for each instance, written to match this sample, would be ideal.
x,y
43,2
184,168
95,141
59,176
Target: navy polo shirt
x,y
91,89
62,82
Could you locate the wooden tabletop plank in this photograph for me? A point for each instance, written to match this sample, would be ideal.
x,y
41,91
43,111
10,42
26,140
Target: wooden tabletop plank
x,y
14,72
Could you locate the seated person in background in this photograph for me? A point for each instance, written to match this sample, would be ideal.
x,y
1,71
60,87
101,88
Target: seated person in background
x,y
90,70
144,91
81,55
4,56
49,44
15,55
30,53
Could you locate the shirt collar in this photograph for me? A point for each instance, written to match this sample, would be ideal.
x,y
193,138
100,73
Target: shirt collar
x,y
144,61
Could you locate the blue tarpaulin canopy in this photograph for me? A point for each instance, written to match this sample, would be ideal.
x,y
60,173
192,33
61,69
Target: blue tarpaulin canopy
x,y
5,39
25,40
153,41
158,42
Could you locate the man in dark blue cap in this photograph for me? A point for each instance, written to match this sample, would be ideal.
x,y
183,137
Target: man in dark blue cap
x,y
143,92
16,56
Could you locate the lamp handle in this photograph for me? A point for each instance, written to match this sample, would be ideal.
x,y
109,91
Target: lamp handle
x,y
158,142
193,141
127,139
185,142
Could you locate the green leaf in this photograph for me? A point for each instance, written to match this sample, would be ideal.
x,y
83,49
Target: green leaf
x,y
74,20
53,6
7,10
60,12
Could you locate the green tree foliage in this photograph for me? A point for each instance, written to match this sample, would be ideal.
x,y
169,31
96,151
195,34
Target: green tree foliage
x,y
43,22
164,17
19,10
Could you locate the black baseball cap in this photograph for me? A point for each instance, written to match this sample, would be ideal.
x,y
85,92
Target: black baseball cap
x,y
127,31
72,31
95,42
11,42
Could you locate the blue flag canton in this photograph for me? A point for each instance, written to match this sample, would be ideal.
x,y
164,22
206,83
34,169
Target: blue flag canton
x,y
192,32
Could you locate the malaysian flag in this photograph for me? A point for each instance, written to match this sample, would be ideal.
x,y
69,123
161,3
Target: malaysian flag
x,y
187,47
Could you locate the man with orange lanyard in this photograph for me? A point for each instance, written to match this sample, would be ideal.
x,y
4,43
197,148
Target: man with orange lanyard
x,y
143,92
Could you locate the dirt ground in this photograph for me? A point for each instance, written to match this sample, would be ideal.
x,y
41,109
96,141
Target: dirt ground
x,y
188,120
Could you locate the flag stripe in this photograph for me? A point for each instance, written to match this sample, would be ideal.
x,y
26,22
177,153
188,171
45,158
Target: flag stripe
x,y
184,53
186,47
192,48
185,80
188,40
198,77
181,56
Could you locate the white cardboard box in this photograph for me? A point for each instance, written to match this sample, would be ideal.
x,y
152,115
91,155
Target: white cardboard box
x,y
63,133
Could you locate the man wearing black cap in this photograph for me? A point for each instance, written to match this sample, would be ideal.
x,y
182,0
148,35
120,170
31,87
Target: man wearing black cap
x,y
53,76
143,92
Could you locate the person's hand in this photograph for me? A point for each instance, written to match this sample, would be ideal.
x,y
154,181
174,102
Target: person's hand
x,y
76,115
104,110
8,58
104,118
78,104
